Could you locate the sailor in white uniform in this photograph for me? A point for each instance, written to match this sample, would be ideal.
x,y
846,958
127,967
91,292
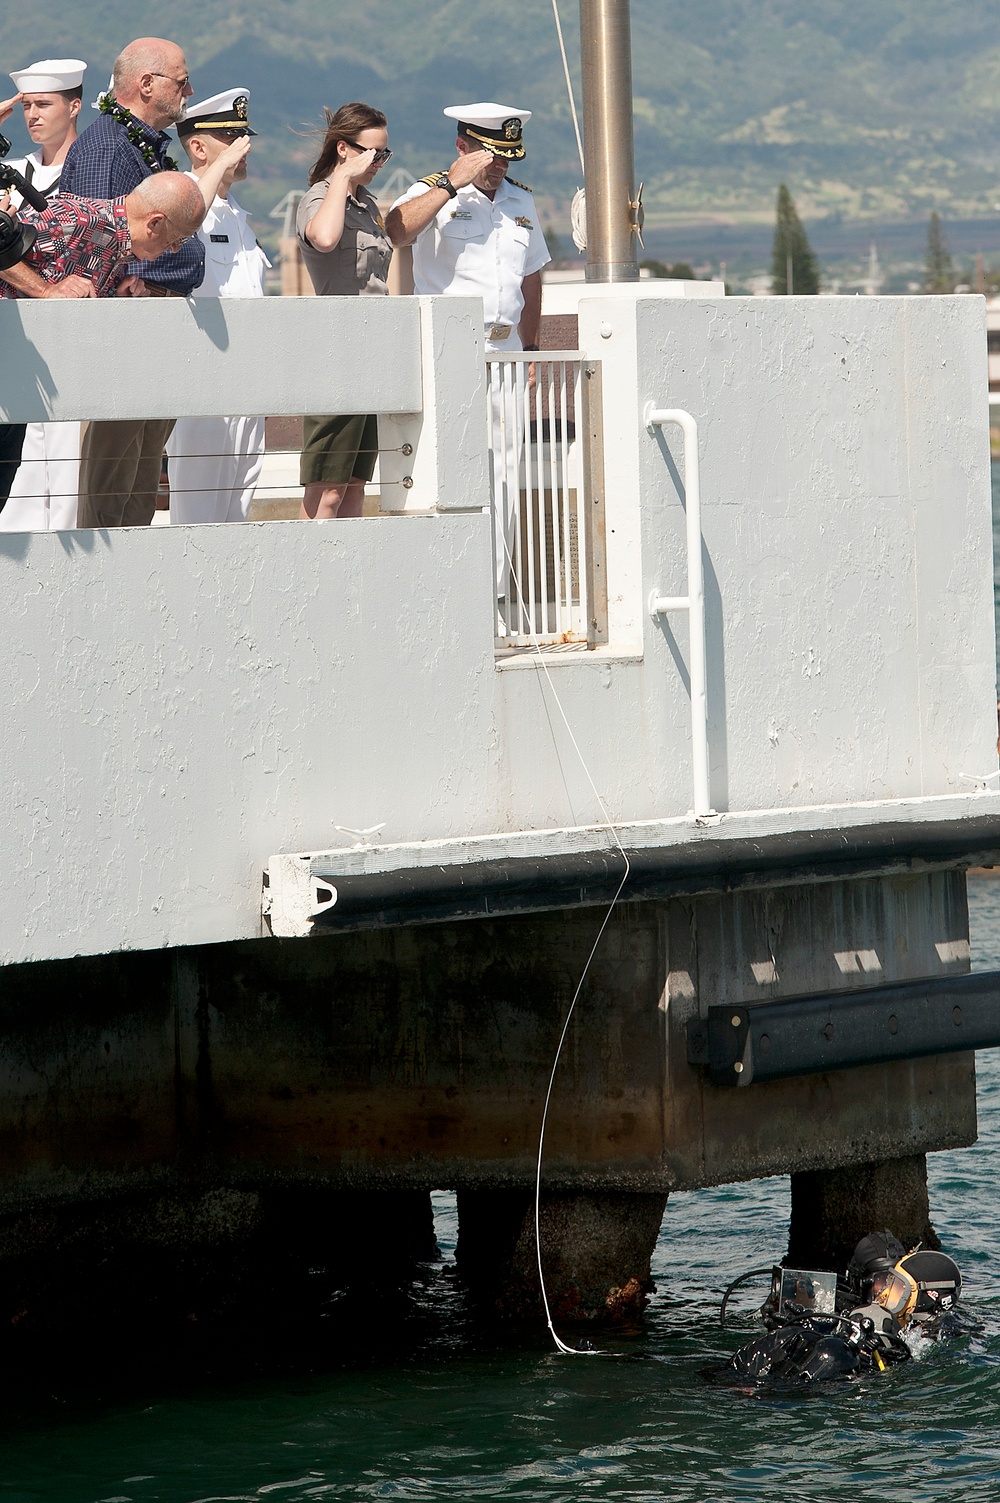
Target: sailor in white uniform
x,y
214,463
43,495
475,233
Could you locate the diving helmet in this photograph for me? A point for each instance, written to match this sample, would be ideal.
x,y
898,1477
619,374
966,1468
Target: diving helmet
x,y
938,1280
896,1291
877,1253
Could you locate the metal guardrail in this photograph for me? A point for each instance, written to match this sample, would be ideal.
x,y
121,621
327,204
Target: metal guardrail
x,y
840,1030
547,472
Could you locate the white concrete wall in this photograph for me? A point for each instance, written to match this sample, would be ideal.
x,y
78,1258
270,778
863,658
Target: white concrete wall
x,y
180,704
115,358
849,564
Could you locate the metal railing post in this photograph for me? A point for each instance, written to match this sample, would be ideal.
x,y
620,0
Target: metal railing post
x,y
693,602
595,532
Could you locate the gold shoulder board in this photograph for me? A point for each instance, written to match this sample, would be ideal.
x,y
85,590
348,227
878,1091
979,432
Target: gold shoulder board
x,y
429,179
515,184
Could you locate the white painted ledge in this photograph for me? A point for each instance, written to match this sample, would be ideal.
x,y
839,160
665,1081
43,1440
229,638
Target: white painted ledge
x,y
528,870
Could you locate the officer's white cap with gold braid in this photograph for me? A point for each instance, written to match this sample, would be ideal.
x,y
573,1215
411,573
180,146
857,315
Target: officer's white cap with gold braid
x,y
228,111
497,127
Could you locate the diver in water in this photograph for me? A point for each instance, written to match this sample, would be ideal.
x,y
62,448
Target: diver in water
x,y
820,1327
929,1306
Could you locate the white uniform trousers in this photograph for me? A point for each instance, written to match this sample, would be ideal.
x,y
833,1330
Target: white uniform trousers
x,y
508,382
43,497
214,464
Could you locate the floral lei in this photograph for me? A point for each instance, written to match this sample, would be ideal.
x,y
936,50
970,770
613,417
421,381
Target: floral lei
x,y
108,105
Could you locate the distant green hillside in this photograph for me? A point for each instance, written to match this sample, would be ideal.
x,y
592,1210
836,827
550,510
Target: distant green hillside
x,y
865,107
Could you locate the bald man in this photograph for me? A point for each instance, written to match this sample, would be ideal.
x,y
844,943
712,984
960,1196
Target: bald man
x,y
128,142
96,239
120,462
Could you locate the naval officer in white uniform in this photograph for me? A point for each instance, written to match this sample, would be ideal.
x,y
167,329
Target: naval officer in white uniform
x,y
475,233
474,230
43,495
214,463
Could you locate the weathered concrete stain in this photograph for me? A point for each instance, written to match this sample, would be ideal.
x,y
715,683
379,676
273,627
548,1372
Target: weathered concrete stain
x,y
596,1251
419,1057
162,1101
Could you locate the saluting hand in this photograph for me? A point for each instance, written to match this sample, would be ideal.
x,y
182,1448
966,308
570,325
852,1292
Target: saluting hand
x,y
7,106
354,168
466,168
234,152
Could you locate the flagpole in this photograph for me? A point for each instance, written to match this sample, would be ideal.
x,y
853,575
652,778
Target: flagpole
x,y
606,53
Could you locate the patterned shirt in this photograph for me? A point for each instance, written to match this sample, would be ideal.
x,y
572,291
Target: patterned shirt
x,y
78,237
104,163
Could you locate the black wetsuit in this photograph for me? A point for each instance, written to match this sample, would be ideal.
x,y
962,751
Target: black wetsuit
x,y
809,1348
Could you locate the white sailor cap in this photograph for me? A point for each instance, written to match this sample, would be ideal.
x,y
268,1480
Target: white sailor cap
x,y
229,110
495,126
52,76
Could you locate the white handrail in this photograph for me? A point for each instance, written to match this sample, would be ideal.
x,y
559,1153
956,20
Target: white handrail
x,y
693,602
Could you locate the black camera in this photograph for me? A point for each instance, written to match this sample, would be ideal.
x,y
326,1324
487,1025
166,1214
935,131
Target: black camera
x,y
16,239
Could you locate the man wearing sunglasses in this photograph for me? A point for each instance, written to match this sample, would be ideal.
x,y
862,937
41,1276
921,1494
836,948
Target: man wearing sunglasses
x,y
214,463
120,461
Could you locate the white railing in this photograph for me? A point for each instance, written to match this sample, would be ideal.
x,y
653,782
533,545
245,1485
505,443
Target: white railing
x,y
693,602
546,477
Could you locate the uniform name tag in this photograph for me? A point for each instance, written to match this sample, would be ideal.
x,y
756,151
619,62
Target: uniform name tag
x,y
461,213
219,239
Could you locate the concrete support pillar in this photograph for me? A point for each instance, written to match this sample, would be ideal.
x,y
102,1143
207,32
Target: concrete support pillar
x,y
596,1250
832,1209
207,1256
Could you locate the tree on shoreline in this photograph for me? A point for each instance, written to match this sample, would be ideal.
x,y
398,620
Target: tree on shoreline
x,y
680,271
940,273
793,258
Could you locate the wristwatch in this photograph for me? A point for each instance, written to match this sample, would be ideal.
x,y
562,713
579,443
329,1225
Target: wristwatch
x,y
445,182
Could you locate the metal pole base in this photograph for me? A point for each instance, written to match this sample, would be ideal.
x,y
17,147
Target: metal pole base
x,y
615,271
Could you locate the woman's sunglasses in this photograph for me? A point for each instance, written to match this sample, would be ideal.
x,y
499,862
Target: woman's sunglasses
x,y
381,156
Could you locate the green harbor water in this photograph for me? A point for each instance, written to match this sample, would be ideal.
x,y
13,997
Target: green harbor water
x,y
412,1399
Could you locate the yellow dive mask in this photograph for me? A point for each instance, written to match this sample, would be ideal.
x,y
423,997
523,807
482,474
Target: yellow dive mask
x,y
898,1293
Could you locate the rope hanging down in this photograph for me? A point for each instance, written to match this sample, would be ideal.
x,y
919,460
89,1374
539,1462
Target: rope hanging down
x,y
569,83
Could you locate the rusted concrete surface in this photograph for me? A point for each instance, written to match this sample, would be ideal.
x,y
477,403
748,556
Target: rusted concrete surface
x,y
204,1123
596,1251
418,1058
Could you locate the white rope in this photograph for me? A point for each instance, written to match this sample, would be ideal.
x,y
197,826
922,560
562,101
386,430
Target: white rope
x,y
578,219
570,1351
569,83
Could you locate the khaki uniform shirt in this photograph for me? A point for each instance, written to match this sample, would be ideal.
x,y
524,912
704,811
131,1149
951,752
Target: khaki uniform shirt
x,y
359,265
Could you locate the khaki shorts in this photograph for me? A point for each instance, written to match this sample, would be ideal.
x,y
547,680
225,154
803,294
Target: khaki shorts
x,y
338,449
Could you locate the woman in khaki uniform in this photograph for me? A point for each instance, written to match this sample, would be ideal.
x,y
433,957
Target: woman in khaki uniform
x,y
347,253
